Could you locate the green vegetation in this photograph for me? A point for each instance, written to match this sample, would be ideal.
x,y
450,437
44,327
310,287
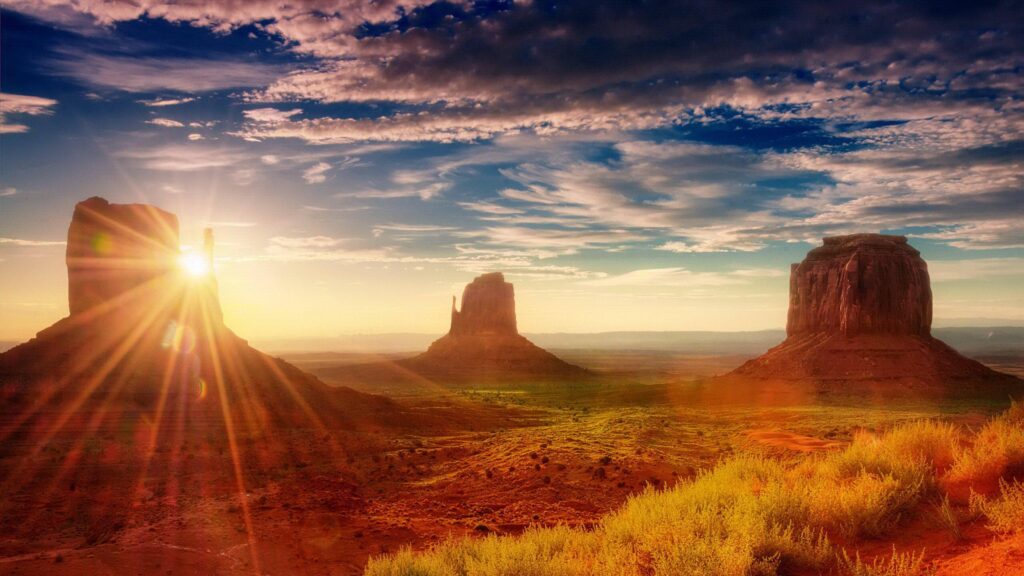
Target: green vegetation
x,y
758,515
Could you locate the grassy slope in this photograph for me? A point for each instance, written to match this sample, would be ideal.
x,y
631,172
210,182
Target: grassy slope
x,y
757,515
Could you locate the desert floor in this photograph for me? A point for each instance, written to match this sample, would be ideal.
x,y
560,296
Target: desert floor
x,y
323,504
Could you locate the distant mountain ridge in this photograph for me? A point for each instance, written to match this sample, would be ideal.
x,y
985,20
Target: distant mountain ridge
x,y
971,340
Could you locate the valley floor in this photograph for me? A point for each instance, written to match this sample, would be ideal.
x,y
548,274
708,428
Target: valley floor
x,y
571,454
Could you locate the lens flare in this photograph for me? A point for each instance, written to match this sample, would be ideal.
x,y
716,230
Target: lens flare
x,y
178,338
194,265
101,243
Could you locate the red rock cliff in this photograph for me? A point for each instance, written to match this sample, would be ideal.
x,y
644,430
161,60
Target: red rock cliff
x,y
861,284
488,307
114,249
484,342
860,312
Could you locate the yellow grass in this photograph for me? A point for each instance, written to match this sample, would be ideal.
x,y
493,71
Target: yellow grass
x,y
907,564
998,447
1005,513
751,515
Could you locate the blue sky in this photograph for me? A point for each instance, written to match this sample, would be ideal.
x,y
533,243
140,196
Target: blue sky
x,y
628,165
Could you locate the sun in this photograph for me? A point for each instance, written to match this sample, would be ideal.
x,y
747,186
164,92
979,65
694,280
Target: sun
x,y
194,265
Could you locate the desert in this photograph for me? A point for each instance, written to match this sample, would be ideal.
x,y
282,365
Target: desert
x,y
511,288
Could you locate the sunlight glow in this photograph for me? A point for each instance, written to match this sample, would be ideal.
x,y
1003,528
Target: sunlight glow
x,y
194,265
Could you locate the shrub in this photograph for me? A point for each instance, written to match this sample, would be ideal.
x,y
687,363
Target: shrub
x,y
946,516
755,515
1005,513
997,448
908,564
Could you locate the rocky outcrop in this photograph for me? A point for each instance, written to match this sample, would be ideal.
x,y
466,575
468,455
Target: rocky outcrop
x,y
488,307
483,341
116,249
860,313
861,284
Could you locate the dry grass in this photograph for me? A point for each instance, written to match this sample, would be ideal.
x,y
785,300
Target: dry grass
x,y
997,448
948,518
907,564
1005,513
755,515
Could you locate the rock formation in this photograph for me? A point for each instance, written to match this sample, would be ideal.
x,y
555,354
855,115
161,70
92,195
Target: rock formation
x,y
114,249
483,341
861,284
142,406
143,333
488,307
860,311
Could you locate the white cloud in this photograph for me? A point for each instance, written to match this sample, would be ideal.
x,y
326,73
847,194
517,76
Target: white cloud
x,y
271,115
153,74
411,229
185,157
161,102
306,241
193,137
316,173
30,243
11,104
684,278
165,122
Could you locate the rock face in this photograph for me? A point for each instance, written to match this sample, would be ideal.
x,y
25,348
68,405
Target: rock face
x,y
488,307
860,313
483,341
861,284
114,249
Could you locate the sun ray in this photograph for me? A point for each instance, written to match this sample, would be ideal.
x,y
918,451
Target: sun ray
x,y
210,339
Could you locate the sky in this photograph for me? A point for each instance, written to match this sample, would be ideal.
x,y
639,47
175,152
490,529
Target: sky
x,y
628,165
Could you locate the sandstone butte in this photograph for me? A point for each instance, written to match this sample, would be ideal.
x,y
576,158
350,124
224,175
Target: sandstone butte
x,y
484,341
860,311
142,334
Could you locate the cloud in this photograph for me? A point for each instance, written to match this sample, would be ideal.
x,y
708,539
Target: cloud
x,y
231,224
901,116
312,208
411,230
193,137
161,102
490,208
423,184
683,278
165,122
466,71
8,191
306,241
184,157
316,173
20,104
31,243
270,115
975,269
154,74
